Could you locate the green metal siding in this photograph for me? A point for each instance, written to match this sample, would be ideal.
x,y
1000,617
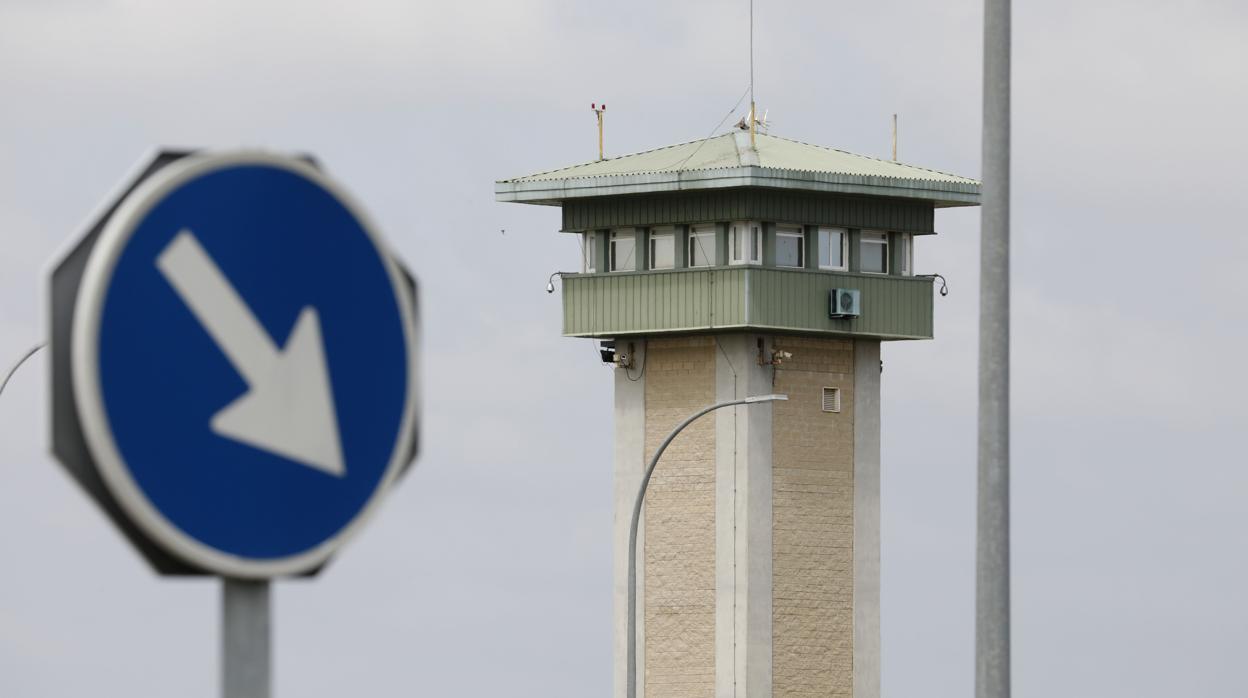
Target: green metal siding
x,y
811,251
786,300
688,300
748,204
641,249
682,246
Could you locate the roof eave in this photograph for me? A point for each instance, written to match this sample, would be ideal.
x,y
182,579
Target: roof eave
x,y
553,192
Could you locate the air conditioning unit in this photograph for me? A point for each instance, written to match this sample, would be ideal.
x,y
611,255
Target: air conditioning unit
x,y
844,302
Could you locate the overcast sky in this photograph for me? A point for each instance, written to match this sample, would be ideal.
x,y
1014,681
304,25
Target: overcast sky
x,y
487,572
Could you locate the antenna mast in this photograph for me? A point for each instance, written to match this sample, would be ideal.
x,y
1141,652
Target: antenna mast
x,y
894,138
598,112
753,110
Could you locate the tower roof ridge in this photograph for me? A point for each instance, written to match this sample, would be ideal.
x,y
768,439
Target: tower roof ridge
x,y
720,161
841,151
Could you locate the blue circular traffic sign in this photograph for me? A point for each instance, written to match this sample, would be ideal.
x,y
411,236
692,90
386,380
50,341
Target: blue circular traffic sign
x,y
243,359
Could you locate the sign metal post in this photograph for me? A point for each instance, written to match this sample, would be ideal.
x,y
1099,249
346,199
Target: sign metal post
x,y
246,638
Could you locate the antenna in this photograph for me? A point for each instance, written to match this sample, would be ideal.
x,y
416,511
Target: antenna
x,y
894,138
753,110
598,110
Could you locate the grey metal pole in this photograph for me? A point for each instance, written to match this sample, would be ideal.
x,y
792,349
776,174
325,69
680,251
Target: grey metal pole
x,y
245,639
631,684
992,582
29,353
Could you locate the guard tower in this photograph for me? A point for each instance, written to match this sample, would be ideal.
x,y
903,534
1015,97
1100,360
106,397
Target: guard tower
x,y
719,269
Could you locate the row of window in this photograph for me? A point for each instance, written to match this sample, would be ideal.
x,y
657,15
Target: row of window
x,y
745,246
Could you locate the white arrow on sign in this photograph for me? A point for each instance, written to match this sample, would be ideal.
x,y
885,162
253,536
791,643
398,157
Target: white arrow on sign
x,y
288,408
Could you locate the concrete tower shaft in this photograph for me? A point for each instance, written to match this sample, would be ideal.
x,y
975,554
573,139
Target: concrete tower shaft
x,y
759,570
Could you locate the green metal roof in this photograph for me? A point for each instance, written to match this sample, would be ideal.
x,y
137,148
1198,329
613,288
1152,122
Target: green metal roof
x,y
728,161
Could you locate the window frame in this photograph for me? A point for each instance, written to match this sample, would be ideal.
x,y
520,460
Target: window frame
x,y
825,231
756,242
907,253
619,236
791,231
589,256
696,232
667,233
873,237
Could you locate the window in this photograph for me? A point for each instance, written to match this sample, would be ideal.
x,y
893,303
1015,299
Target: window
x,y
745,243
907,254
589,252
873,252
702,246
833,243
662,248
790,247
623,251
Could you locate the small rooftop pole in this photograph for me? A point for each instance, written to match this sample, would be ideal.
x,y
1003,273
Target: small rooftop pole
x,y
894,138
598,112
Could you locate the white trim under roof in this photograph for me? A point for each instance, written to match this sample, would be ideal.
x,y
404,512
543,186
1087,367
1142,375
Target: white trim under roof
x,y
553,192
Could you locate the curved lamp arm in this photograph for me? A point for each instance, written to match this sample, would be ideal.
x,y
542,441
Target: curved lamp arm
x,y
29,353
632,530
550,283
944,285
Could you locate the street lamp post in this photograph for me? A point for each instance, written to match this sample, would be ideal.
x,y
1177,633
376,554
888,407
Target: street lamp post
x,y
992,557
631,685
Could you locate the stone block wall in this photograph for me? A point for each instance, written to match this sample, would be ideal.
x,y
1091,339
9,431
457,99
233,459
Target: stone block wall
x,y
813,522
679,556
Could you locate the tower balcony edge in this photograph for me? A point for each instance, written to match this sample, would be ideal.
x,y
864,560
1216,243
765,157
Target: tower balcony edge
x,y
745,298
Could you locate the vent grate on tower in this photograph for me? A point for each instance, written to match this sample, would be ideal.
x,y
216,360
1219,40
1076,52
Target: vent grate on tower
x,y
831,399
